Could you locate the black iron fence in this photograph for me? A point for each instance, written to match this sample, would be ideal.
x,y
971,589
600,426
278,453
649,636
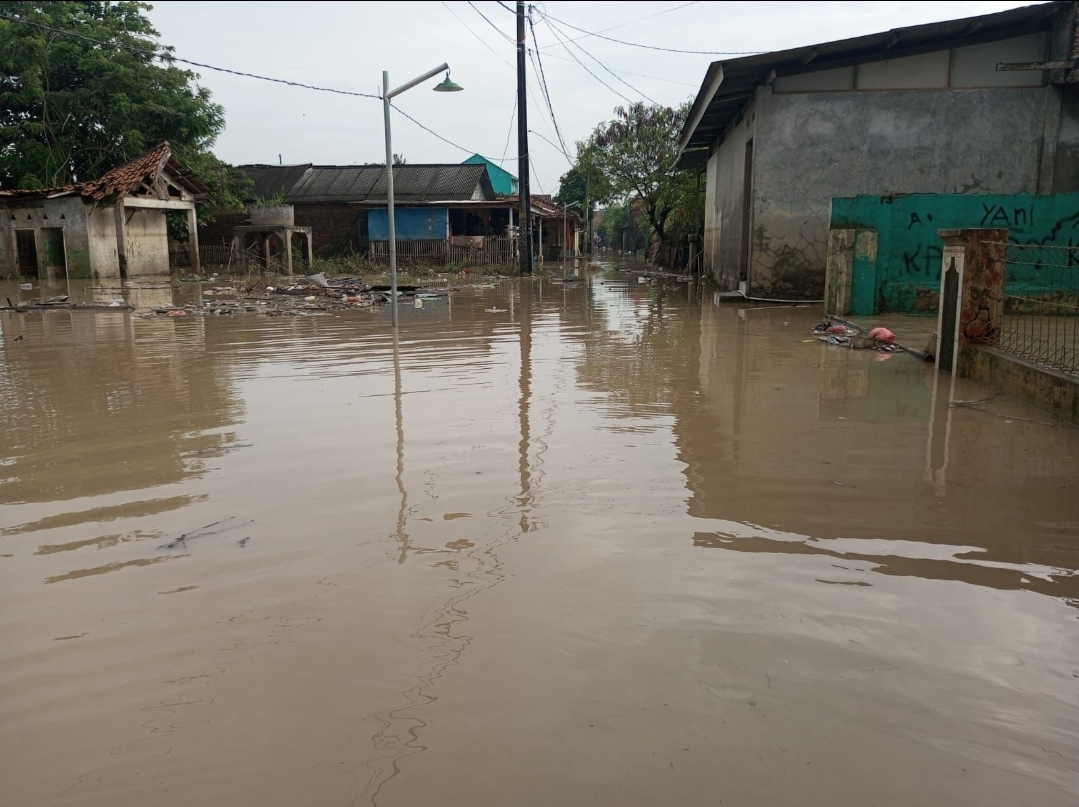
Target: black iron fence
x,y
216,256
1041,305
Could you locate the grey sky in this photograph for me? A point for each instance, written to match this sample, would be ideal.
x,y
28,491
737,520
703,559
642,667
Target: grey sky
x,y
347,45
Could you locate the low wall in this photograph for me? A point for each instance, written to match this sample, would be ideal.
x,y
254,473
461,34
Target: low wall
x,y
1051,391
904,273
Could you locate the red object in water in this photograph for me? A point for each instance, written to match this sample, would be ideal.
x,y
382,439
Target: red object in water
x,y
839,329
882,335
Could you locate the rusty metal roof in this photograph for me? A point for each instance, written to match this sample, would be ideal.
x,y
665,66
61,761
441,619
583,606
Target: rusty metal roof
x,y
123,179
411,183
317,184
729,85
272,181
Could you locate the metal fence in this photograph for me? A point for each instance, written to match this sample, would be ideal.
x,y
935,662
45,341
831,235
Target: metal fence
x,y
210,255
1041,305
495,251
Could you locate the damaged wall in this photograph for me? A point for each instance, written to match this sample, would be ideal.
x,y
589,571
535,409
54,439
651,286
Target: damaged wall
x,y
63,220
942,122
147,250
904,273
904,141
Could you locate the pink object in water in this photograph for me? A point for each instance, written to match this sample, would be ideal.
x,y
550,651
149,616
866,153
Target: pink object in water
x,y
882,335
838,329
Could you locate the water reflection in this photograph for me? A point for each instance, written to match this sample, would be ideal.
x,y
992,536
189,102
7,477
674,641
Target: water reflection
x,y
529,528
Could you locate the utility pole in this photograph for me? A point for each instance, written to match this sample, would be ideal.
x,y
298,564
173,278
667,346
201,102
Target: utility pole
x,y
524,232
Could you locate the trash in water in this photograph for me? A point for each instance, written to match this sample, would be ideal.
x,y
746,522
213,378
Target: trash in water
x,y
26,286
882,335
318,279
494,311
418,303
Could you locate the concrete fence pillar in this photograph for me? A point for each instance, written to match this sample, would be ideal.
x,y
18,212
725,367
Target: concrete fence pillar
x,y
971,291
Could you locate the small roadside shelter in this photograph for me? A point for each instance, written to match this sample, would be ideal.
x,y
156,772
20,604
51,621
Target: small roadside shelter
x,y
110,227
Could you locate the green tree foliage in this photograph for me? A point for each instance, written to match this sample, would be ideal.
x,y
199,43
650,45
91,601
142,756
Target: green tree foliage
x,y
636,153
85,86
582,183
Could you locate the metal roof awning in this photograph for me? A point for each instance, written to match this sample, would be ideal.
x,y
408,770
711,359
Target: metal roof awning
x,y
729,85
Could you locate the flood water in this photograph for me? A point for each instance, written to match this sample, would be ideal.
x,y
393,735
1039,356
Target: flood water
x,y
554,545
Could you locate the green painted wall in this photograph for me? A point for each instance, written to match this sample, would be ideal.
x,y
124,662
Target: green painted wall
x,y
503,182
905,275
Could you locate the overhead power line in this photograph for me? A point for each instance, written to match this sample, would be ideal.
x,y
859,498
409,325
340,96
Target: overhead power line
x,y
552,144
480,38
601,64
431,131
641,19
168,57
487,19
509,133
546,91
653,47
582,64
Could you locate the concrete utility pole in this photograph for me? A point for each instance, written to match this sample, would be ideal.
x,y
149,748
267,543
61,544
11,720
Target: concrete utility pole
x,y
524,232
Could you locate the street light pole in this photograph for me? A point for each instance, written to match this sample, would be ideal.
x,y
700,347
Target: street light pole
x,y
391,230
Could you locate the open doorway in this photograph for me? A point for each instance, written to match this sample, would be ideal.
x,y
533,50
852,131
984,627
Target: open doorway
x,y
55,255
26,253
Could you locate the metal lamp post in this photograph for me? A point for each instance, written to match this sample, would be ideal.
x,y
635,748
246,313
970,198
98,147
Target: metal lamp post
x,y
446,85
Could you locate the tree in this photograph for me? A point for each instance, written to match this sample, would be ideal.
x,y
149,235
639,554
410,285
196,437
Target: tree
x,y
636,153
582,183
85,87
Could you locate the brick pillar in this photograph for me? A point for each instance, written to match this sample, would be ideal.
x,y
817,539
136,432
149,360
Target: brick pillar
x,y
971,291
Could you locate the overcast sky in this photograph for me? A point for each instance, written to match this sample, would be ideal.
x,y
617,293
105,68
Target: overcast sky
x,y
347,45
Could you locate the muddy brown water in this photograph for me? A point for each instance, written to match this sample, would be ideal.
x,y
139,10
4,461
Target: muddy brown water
x,y
603,543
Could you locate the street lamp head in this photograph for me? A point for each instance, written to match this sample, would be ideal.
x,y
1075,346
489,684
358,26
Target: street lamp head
x,y
447,85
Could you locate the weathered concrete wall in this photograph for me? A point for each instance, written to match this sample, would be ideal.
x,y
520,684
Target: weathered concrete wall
x,y
1049,390
101,227
147,243
812,147
905,272
67,214
724,205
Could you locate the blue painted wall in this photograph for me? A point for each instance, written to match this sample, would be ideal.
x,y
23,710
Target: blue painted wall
x,y
411,223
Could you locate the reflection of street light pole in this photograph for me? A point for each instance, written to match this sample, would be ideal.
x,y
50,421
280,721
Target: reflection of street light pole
x,y
444,86
565,228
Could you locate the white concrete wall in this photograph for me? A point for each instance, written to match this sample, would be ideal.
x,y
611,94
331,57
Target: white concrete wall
x,y
723,204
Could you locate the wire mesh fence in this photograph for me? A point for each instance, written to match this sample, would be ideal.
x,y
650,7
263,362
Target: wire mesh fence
x,y
1041,305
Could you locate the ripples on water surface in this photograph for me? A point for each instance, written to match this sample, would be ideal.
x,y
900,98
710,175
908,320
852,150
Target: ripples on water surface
x,y
610,545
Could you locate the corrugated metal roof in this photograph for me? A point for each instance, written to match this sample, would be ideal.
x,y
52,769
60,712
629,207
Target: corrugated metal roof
x,y
367,183
729,85
272,181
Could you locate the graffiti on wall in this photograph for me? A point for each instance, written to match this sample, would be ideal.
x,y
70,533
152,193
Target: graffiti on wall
x,y
906,275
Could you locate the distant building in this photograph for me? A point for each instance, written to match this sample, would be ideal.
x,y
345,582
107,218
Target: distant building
x,y
503,182
983,105
111,227
442,212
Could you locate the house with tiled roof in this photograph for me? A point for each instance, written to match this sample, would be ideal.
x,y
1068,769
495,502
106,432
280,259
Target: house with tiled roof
x,y
110,227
